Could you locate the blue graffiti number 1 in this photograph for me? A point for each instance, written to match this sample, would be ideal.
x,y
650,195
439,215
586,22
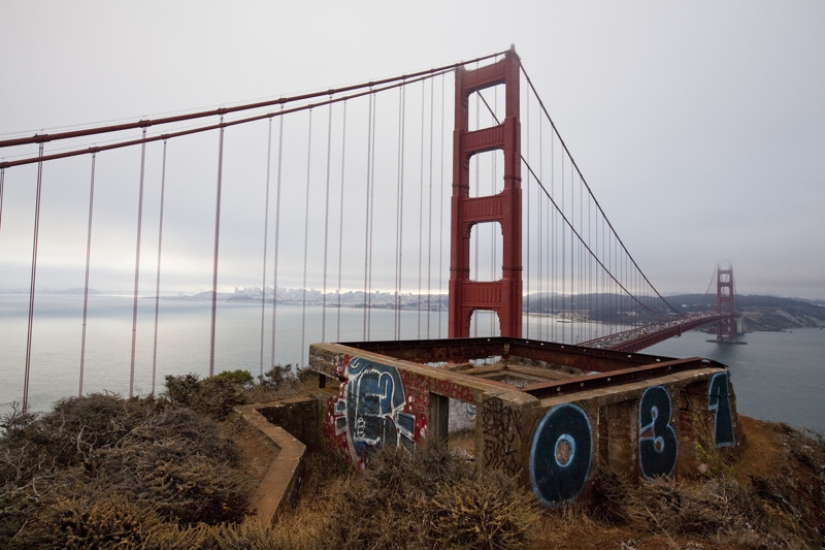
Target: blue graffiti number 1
x,y
719,403
560,455
658,444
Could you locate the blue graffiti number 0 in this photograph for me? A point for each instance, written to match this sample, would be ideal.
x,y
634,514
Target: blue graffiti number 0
x,y
560,455
719,403
658,444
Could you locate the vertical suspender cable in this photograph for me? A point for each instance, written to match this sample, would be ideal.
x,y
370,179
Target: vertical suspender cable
x,y
541,238
529,228
266,235
2,180
555,234
137,265
277,240
474,230
430,213
86,280
582,261
494,273
215,255
33,281
399,213
326,230
367,214
371,216
421,210
341,216
441,211
563,259
572,240
306,243
157,278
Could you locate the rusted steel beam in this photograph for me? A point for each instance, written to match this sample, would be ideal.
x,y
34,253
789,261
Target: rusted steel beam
x,y
616,378
458,350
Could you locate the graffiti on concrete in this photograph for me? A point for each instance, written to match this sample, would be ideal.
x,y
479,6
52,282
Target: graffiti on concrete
x,y
561,455
370,410
501,425
719,403
658,444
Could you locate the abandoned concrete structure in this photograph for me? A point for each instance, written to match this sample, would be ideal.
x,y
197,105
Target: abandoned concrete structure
x,y
556,415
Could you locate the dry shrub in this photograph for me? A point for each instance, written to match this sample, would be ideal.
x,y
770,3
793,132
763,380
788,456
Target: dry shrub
x,y
610,498
181,486
281,382
490,511
718,509
84,522
423,498
215,396
161,458
72,431
199,435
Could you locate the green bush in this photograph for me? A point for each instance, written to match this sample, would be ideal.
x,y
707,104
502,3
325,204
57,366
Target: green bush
x,y
277,376
239,377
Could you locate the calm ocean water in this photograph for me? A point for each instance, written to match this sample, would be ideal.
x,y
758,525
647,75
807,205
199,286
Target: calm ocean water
x,y
776,376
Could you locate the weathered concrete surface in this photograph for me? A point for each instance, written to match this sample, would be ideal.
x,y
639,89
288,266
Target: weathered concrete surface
x,y
281,482
300,416
632,415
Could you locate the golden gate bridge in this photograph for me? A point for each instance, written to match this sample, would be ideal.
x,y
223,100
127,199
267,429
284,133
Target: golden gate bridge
x,y
452,180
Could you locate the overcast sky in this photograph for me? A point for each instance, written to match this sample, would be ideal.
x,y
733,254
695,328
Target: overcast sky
x,y
700,126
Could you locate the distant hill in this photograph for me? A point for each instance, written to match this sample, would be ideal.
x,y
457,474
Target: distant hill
x,y
760,312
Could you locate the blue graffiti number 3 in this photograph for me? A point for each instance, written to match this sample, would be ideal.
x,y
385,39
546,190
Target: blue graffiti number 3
x,y
719,403
658,444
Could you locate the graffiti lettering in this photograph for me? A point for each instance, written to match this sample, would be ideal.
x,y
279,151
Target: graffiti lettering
x,y
658,444
719,403
501,424
369,411
561,454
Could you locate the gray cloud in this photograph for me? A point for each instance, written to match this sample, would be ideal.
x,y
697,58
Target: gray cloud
x,y
699,126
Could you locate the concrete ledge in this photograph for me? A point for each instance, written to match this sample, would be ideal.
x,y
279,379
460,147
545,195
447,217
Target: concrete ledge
x,y
280,484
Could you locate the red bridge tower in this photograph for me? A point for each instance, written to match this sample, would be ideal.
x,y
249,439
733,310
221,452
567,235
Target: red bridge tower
x,y
725,329
502,296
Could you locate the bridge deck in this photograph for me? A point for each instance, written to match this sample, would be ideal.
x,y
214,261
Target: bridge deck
x,y
643,337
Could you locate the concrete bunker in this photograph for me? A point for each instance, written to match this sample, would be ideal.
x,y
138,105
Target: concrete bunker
x,y
558,416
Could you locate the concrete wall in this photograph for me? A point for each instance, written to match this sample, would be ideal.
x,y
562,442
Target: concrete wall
x,y
642,430
281,483
559,445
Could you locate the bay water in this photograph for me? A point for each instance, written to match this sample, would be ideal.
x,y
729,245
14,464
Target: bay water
x,y
777,376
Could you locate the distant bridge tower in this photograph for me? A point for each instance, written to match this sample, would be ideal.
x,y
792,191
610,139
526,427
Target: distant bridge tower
x,y
504,295
725,329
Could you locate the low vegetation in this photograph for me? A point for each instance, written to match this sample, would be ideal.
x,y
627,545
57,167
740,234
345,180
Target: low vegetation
x,y
164,472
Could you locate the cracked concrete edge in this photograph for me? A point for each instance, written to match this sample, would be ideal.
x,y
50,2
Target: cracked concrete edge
x,y
282,479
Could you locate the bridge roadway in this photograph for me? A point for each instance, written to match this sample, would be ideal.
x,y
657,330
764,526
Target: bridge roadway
x,y
637,339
